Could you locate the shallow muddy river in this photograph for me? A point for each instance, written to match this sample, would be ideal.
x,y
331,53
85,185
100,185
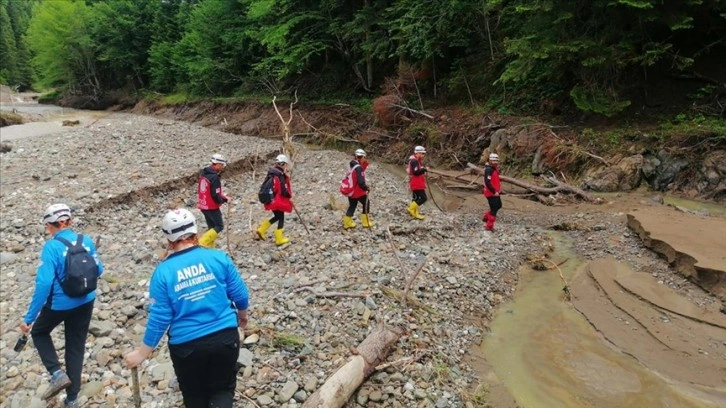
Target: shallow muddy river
x,y
47,119
548,355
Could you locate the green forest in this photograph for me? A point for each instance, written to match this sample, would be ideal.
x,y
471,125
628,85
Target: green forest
x,y
597,57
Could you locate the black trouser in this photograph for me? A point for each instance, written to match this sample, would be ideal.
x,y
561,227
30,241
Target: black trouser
x,y
419,196
279,218
353,203
75,325
214,219
495,204
207,369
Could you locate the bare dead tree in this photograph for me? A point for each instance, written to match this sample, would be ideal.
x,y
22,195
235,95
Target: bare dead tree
x,y
287,146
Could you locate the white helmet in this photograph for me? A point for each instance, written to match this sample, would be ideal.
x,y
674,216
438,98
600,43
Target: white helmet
x,y
218,159
360,153
56,212
419,149
282,159
493,157
178,223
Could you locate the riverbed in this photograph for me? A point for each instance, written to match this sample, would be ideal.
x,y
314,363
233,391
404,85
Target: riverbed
x,y
541,350
548,354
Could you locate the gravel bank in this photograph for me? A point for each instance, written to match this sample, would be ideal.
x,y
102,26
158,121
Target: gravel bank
x,y
122,172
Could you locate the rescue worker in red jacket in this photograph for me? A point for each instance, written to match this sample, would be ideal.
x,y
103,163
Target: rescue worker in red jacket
x,y
417,181
358,168
492,188
210,198
281,202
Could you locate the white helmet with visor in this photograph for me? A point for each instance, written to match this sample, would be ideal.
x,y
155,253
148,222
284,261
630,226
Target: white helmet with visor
x,y
178,223
56,212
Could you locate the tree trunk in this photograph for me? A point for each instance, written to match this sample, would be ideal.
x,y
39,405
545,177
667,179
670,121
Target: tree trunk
x,y
340,386
369,58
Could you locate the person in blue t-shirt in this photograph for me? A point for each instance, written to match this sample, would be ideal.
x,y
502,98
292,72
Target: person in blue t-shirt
x,y
199,299
50,306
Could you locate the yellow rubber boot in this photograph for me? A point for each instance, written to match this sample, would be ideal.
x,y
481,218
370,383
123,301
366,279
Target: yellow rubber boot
x,y
412,208
418,215
348,222
279,239
262,229
365,221
208,239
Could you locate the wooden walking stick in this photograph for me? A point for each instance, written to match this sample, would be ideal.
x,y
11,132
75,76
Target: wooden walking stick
x,y
431,194
229,225
137,391
300,218
368,210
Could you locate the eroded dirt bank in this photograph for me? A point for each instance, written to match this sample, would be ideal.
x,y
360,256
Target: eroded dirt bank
x,y
693,244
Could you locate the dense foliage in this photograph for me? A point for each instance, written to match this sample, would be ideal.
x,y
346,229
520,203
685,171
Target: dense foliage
x,y
598,56
15,67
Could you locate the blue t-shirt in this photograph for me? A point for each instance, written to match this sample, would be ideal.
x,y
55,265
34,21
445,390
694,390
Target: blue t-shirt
x,y
48,290
193,293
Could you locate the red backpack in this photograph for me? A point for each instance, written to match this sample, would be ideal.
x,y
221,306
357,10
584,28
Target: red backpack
x,y
347,187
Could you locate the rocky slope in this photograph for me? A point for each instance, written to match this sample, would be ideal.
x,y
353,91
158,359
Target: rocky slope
x,y
122,172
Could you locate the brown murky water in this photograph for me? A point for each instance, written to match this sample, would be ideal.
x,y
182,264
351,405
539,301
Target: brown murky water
x,y
548,355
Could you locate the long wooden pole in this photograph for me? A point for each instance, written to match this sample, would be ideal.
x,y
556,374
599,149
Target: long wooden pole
x,y
229,226
431,194
300,218
368,210
137,390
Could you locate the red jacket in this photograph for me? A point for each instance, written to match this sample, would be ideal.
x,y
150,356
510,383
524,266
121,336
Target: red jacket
x,y
283,191
360,188
209,190
491,181
416,174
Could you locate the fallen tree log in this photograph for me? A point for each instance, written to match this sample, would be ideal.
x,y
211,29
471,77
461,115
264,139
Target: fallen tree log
x,y
559,187
338,388
464,178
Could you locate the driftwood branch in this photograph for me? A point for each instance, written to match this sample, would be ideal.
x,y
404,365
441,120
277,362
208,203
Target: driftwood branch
x,y
537,264
410,300
338,388
409,282
465,177
563,187
424,114
596,157
249,221
319,132
389,237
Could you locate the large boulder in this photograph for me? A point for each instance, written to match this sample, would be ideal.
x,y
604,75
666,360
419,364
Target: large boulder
x,y
668,170
630,168
623,176
712,176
